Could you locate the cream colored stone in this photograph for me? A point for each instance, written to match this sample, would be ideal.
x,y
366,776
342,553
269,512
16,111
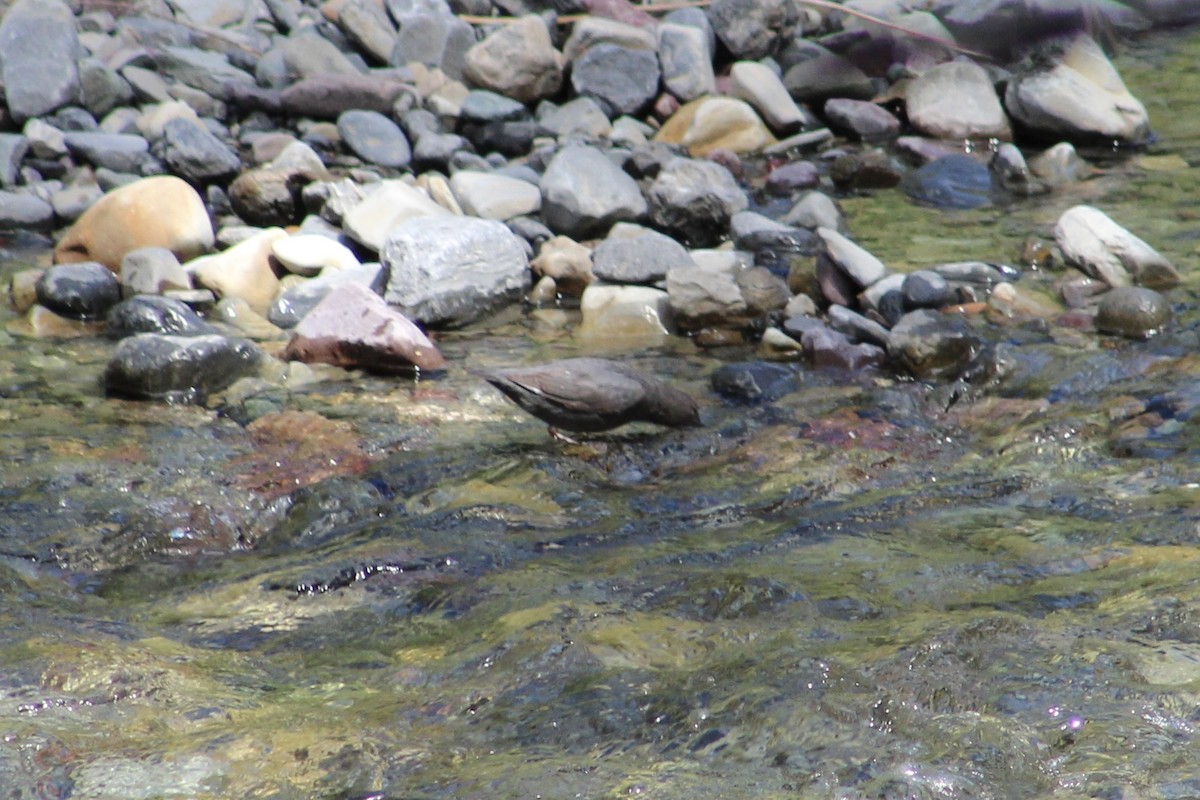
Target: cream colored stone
x,y
243,270
309,253
161,211
625,314
567,262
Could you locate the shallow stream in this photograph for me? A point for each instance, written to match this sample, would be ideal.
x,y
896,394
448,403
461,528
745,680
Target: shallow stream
x,y
365,587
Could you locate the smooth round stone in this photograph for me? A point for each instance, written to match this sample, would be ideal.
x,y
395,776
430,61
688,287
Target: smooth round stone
x,y
153,314
374,138
863,119
162,211
492,196
85,290
386,207
633,254
792,177
22,211
925,289
41,54
178,368
1133,311
584,193
758,85
956,101
308,254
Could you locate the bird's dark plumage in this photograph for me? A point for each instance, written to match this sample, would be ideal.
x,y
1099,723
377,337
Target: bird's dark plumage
x,y
593,394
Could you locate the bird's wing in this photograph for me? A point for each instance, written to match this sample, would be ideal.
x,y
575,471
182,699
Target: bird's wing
x,y
583,388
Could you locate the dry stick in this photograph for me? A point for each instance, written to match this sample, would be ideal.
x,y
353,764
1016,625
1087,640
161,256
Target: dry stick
x,y
825,4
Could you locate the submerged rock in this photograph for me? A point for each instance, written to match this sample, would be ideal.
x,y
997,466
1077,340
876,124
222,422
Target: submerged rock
x,y
178,369
1133,312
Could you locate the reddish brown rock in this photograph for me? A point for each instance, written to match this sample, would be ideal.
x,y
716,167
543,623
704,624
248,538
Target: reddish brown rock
x,y
353,327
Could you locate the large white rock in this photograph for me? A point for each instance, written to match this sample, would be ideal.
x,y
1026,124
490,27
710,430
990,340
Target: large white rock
x,y
1081,95
1103,249
957,101
452,270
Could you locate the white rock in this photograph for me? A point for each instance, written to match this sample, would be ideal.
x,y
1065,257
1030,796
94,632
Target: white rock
x,y
243,270
1100,247
759,86
858,264
391,203
309,253
957,101
491,196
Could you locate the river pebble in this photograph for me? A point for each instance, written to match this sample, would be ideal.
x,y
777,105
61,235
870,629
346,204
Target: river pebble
x,y
183,369
1133,311
84,290
146,313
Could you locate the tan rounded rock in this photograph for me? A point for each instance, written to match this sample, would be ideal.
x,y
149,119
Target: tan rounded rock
x,y
716,123
161,211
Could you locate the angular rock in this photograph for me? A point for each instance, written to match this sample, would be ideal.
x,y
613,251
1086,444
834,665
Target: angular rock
x,y
815,74
366,23
152,270
295,300
695,200
623,79
161,211
567,262
86,290
13,147
582,115
153,314
750,29
759,86
633,254
1092,241
862,119
194,153
816,210
851,260
517,60
389,204
449,271
625,313
40,58
430,34
178,369
956,101
708,295
584,193
686,60
1081,96
353,327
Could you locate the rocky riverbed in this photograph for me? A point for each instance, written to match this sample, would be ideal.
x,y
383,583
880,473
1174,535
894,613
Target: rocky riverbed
x,y
929,277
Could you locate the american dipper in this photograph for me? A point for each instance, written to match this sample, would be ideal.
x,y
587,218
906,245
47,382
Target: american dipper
x,y
593,394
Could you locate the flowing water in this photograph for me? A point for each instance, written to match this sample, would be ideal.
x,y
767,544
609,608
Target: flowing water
x,y
361,587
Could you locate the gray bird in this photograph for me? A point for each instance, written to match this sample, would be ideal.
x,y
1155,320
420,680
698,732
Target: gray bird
x,y
593,394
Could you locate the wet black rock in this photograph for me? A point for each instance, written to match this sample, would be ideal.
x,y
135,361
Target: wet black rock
x,y
926,289
593,394
753,382
86,290
179,369
147,313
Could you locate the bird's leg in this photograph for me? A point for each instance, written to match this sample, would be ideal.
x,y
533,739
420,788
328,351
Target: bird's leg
x,y
555,433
